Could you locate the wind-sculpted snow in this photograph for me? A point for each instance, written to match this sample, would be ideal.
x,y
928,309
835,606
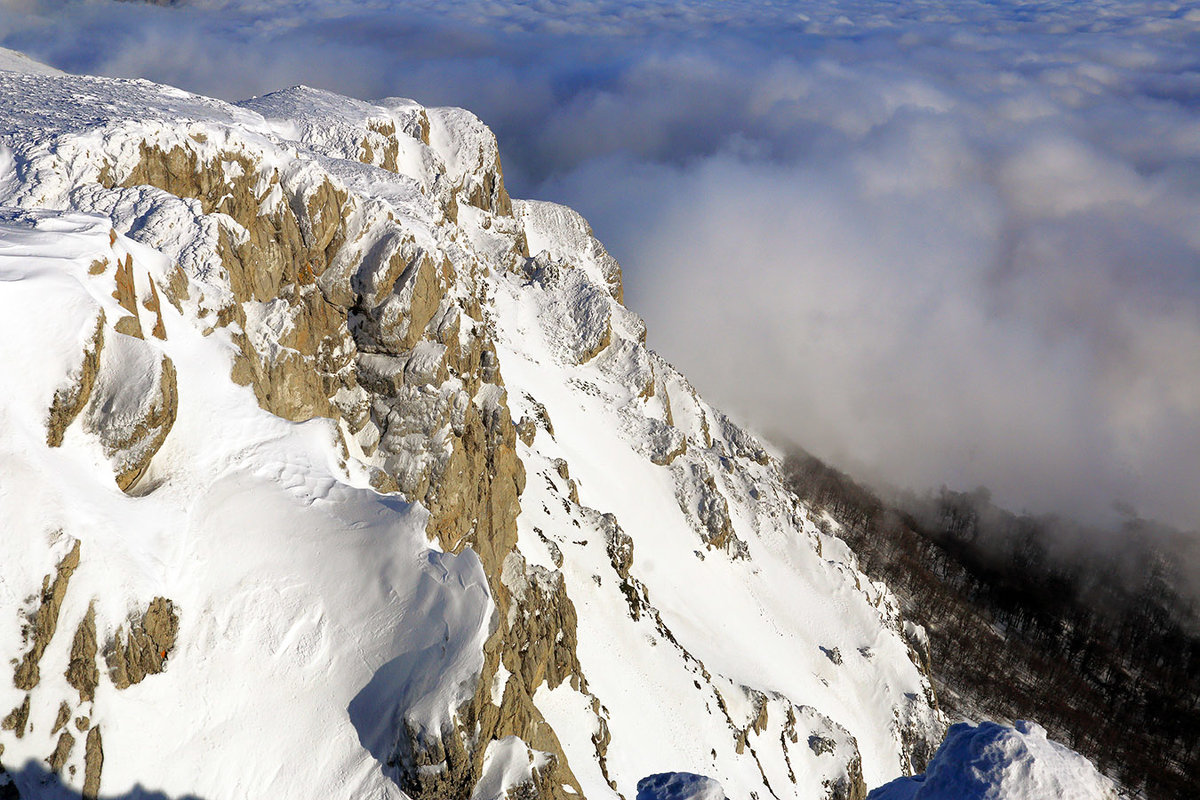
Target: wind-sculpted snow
x,y
958,168
295,584
679,786
378,587
977,762
733,587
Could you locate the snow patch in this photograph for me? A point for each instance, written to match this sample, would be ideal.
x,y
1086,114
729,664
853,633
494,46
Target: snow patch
x,y
985,761
679,786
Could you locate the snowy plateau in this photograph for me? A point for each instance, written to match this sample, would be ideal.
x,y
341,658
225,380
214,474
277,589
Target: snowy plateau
x,y
328,470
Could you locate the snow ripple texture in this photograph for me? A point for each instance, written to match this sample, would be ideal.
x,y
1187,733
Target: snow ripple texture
x,y
987,761
723,631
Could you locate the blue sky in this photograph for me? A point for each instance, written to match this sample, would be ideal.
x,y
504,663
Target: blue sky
x,y
939,242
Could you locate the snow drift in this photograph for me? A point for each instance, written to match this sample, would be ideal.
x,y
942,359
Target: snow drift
x,y
326,461
989,760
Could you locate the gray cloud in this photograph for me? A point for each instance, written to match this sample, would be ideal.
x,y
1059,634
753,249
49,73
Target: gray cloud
x,y
949,242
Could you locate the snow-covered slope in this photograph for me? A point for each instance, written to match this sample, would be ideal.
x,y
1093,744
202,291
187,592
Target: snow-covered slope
x,y
325,462
13,61
292,586
983,761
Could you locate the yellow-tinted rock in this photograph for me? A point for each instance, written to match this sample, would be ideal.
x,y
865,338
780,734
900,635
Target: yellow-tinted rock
x,y
93,763
44,622
145,649
81,672
70,401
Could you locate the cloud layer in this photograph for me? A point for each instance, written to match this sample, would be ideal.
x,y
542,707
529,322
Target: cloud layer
x,y
951,242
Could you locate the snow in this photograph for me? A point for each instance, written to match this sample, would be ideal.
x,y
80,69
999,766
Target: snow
x,y
679,786
984,761
756,624
560,231
507,763
312,610
316,618
13,61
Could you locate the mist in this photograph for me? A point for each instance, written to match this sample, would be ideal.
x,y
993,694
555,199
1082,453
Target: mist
x,y
948,243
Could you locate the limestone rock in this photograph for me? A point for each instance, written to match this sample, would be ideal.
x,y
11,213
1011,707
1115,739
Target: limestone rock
x,y
849,787
619,546
582,318
133,405
550,225
17,719
146,647
379,146
707,508
44,622
663,442
542,625
472,159
93,764
271,251
62,751
82,673
126,295
62,718
68,402
154,306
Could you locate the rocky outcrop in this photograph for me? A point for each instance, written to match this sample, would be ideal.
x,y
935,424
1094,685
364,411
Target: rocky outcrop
x,y
69,401
275,242
850,787
473,497
61,719
708,510
472,160
379,145
93,764
552,225
44,622
583,311
343,315
82,673
126,296
382,303
619,546
131,658
62,751
145,648
124,388
132,414
17,719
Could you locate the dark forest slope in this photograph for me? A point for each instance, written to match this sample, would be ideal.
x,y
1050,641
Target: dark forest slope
x,y
1103,651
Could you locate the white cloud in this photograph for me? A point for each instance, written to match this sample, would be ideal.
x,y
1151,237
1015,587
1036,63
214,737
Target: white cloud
x,y
951,242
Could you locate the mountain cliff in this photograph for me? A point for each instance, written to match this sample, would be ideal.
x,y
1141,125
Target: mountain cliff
x,y
330,470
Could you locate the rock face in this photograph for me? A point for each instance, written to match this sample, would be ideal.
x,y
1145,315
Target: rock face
x,y
93,762
44,621
132,418
384,521
81,671
68,402
145,648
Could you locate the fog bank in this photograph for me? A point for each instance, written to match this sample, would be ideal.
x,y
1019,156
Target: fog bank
x,y
948,243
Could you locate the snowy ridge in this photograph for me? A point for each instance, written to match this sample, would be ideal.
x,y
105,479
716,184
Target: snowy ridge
x,y
245,504
743,581
13,61
425,515
990,760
